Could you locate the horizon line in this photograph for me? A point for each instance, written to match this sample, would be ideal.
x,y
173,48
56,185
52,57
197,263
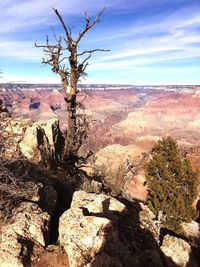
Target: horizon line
x,y
104,84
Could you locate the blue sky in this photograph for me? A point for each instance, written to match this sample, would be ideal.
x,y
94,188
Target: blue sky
x,y
151,41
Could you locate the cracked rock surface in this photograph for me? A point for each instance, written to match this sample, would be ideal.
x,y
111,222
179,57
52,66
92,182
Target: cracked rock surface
x,y
24,237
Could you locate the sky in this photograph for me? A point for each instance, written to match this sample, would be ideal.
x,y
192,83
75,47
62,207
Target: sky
x,y
151,42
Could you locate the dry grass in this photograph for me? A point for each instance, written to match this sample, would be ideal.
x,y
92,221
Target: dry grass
x,y
16,185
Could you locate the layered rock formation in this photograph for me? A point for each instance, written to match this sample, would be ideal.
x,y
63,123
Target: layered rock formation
x,y
119,166
97,229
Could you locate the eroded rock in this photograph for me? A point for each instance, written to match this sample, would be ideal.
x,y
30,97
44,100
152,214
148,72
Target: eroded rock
x,y
24,236
177,252
192,229
87,230
22,136
99,230
29,143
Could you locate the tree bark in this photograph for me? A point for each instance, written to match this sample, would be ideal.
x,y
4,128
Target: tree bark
x,y
70,144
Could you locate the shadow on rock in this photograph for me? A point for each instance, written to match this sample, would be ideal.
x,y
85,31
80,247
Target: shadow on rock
x,y
101,231
136,244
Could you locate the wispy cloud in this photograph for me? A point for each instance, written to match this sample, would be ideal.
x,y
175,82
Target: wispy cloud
x,y
25,14
142,36
19,50
176,37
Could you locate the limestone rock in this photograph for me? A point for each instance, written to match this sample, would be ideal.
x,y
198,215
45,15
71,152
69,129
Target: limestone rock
x,y
81,199
22,134
87,230
191,229
192,232
23,236
113,155
97,203
113,163
100,231
147,221
91,186
12,131
28,145
177,252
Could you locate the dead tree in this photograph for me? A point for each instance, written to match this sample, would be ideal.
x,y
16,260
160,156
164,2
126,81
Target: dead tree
x,y
70,68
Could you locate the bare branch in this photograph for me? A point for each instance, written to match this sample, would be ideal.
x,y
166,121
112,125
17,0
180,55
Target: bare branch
x,y
53,53
56,38
88,26
67,32
86,59
63,59
82,67
46,61
86,17
47,46
92,51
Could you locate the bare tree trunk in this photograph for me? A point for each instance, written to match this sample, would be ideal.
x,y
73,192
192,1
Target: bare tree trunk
x,y
77,62
70,144
69,150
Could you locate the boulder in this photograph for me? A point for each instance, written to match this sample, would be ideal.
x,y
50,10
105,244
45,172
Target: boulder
x,y
99,230
97,203
87,231
26,207
192,232
24,236
12,132
29,143
177,252
22,135
191,229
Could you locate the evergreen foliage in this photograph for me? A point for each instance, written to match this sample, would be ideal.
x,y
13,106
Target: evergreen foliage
x,y
172,184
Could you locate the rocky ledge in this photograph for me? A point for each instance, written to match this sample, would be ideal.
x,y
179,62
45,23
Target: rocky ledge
x,y
96,231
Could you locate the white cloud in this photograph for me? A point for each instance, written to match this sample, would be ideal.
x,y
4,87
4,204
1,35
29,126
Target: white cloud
x,y
21,50
23,14
136,44
176,37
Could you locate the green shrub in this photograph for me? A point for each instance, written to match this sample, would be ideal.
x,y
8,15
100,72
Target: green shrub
x,y
172,184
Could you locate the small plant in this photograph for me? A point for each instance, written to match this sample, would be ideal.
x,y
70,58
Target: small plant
x,y
172,184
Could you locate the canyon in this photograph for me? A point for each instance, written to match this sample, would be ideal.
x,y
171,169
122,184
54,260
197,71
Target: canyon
x,y
119,115
125,121
82,223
